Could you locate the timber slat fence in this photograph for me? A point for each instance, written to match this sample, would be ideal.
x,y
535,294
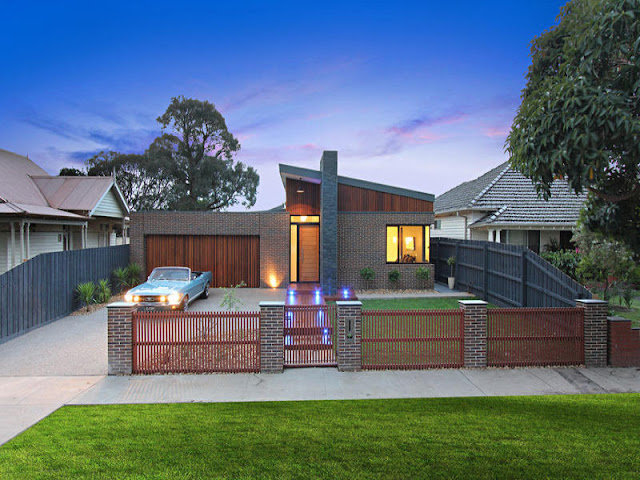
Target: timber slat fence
x,y
535,336
412,339
505,275
42,289
196,342
310,335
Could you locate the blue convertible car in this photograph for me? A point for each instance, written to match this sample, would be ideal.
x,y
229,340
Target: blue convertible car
x,y
170,288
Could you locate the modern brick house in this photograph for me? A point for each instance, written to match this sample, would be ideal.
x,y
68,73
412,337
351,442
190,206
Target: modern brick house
x,y
329,229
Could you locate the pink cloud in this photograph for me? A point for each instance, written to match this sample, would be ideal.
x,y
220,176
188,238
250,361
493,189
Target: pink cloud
x,y
493,132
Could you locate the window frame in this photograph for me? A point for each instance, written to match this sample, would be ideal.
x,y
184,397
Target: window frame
x,y
424,243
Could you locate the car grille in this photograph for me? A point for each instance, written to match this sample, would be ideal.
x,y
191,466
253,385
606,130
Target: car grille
x,y
149,298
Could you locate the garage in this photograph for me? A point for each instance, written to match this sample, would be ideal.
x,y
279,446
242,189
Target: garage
x,y
230,258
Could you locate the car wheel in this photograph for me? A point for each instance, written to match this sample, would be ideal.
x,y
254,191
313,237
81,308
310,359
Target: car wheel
x,y
185,304
205,294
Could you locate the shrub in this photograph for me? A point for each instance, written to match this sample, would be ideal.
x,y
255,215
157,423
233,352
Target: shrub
x,y
230,300
103,291
566,261
394,276
86,293
423,274
121,275
368,274
133,274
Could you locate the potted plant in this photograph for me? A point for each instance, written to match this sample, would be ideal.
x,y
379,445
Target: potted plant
x,y
451,261
423,274
368,275
394,276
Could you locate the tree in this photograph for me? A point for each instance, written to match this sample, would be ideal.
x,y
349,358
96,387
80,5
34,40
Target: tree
x,y
143,181
71,172
579,116
198,149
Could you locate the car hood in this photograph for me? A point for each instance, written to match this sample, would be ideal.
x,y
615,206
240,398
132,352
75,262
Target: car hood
x,y
158,288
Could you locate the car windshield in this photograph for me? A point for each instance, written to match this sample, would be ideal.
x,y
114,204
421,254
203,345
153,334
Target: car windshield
x,y
173,274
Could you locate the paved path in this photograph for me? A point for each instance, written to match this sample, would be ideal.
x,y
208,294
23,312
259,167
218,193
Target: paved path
x,y
329,384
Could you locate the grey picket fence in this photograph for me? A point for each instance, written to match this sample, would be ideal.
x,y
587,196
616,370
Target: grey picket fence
x,y
43,289
506,275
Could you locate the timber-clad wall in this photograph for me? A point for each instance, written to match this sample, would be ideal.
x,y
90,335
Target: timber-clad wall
x,y
306,203
356,199
272,228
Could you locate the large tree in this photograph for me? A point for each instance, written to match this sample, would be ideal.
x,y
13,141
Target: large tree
x,y
579,116
143,181
199,151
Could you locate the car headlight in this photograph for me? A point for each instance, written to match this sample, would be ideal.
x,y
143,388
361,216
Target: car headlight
x,y
163,298
128,297
175,298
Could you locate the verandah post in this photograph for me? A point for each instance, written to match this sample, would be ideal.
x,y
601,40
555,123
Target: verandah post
x,y
349,338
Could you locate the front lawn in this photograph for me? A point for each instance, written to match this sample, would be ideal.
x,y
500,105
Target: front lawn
x,y
582,436
412,303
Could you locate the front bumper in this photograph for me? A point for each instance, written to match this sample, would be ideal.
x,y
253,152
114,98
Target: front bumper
x,y
157,307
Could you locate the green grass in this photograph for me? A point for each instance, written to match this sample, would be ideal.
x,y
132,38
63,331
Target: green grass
x,y
582,436
411,303
633,314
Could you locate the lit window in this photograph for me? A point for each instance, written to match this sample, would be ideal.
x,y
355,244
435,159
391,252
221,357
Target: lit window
x,y
408,244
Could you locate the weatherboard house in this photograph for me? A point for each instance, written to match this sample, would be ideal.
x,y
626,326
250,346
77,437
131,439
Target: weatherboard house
x,y
329,229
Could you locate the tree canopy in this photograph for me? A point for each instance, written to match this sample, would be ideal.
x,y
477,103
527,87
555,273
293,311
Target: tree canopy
x,y
579,113
190,166
71,172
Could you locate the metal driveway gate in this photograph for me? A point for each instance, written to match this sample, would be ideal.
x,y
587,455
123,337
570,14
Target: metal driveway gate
x,y
310,336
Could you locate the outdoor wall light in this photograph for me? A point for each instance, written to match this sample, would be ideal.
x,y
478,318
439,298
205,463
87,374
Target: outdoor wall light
x,y
273,282
300,190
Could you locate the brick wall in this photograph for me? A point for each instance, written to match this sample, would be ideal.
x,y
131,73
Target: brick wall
x,y
475,333
272,227
362,242
328,221
595,331
271,337
349,338
624,343
120,338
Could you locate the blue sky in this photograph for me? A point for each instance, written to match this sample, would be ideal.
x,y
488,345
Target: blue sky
x,y
415,94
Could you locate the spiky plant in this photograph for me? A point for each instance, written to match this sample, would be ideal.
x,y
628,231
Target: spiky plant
x,y
121,275
103,291
86,293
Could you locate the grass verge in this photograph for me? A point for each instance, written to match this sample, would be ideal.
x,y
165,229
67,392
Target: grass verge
x,y
412,303
584,436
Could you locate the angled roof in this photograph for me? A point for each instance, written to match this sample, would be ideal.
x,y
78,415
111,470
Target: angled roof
x,y
315,176
25,188
510,198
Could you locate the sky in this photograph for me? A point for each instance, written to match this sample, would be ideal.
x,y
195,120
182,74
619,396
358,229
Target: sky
x,y
419,95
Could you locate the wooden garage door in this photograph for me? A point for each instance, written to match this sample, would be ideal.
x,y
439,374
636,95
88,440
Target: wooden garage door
x,y
230,258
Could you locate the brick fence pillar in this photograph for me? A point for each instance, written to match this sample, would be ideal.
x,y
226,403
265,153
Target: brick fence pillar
x,y
595,331
349,337
120,338
475,332
271,337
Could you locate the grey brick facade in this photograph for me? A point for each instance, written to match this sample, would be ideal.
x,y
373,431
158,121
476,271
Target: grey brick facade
x,y
329,222
362,242
272,227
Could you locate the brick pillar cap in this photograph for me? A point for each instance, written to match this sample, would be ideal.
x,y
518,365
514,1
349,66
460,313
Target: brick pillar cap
x,y
349,303
270,303
618,319
472,302
121,305
590,301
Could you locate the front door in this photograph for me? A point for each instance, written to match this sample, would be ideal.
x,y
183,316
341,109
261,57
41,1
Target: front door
x,y
309,253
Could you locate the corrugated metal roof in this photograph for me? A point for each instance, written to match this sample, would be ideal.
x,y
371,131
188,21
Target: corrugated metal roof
x,y
38,210
15,184
74,193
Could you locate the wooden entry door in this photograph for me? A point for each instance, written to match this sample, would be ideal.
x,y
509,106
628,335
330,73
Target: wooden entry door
x,y
309,253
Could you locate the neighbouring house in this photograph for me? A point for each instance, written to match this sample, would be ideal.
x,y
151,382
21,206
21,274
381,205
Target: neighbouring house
x,y
503,206
41,213
328,230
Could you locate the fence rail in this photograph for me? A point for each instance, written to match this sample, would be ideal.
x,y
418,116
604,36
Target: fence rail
x,y
196,342
310,335
412,339
535,336
506,275
43,289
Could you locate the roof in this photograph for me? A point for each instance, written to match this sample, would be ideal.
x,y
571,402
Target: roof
x,y
510,198
315,176
27,189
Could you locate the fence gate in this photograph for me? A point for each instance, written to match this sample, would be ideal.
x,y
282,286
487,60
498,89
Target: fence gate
x,y
310,336
196,342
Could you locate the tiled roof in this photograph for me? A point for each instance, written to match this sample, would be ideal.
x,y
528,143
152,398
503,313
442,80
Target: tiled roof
x,y
510,198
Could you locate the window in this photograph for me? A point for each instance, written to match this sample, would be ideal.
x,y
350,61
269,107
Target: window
x,y
437,225
408,244
305,219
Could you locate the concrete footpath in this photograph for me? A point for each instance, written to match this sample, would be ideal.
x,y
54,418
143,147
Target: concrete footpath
x,y
26,400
